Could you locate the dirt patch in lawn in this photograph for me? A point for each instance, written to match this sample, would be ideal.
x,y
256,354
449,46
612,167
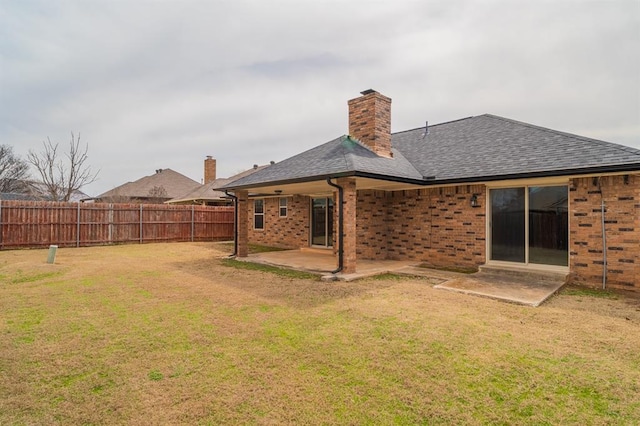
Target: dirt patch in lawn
x,y
167,334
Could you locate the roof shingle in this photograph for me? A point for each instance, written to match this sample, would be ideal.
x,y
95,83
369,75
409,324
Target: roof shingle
x,y
470,149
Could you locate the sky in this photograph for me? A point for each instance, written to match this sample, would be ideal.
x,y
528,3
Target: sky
x,y
163,84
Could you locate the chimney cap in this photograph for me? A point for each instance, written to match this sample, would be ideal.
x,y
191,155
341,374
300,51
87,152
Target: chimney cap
x,y
368,92
209,157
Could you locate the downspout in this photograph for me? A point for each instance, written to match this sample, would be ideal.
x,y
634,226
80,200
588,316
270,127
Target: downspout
x,y
604,237
235,222
340,226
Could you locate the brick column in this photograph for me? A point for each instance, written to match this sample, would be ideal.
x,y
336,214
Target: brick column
x,y
243,223
349,225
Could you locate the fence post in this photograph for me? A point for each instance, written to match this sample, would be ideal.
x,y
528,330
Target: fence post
x,y
110,230
1,225
140,223
78,228
193,227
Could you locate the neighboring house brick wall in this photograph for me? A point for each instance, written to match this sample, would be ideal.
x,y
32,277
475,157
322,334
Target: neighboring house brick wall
x,y
290,232
622,225
437,226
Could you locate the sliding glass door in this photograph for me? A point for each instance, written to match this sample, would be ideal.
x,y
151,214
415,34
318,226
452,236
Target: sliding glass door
x,y
530,224
322,222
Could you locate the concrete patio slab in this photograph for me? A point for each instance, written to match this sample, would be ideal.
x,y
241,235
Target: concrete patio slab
x,y
323,262
521,288
515,287
310,260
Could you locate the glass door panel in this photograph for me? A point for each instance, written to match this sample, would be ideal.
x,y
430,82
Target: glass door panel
x,y
322,222
508,224
329,222
319,221
548,225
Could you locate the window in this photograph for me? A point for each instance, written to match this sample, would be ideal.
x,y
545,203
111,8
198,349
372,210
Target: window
x,y
283,207
258,214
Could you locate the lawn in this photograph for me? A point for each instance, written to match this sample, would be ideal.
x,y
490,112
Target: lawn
x,y
174,334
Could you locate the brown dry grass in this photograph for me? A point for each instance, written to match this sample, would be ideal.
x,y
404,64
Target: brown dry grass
x,y
164,334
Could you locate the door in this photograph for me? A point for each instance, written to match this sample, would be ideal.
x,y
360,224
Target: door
x,y
322,222
530,224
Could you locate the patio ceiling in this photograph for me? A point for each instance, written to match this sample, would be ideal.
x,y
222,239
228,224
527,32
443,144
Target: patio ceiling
x,y
320,187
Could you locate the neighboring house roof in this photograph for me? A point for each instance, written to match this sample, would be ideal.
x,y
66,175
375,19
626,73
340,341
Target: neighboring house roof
x,y
37,191
208,192
12,196
174,184
481,148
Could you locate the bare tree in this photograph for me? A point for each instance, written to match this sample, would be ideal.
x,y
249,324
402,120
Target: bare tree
x,y
14,171
157,194
62,176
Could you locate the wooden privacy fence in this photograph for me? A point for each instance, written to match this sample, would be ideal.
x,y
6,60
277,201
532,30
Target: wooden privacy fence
x,y
40,223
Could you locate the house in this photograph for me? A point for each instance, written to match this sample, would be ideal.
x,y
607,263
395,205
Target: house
x,y
29,190
159,187
482,190
208,194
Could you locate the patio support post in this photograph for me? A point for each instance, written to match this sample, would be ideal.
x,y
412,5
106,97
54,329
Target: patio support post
x,y
235,222
242,224
349,224
340,226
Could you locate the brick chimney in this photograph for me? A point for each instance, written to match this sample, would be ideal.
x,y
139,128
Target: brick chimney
x,y
209,169
370,121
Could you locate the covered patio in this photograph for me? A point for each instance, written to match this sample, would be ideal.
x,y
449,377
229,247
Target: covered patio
x,y
520,287
323,262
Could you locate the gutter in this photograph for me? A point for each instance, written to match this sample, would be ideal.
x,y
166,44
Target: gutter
x,y
235,223
340,226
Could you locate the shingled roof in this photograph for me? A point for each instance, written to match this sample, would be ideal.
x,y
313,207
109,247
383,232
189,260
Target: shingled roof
x,y
209,192
474,149
174,184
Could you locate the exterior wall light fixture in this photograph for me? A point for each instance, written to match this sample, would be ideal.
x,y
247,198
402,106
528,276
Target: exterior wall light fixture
x,y
474,200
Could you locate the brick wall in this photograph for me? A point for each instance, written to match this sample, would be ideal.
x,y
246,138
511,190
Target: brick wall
x,y
373,224
286,232
437,226
622,225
